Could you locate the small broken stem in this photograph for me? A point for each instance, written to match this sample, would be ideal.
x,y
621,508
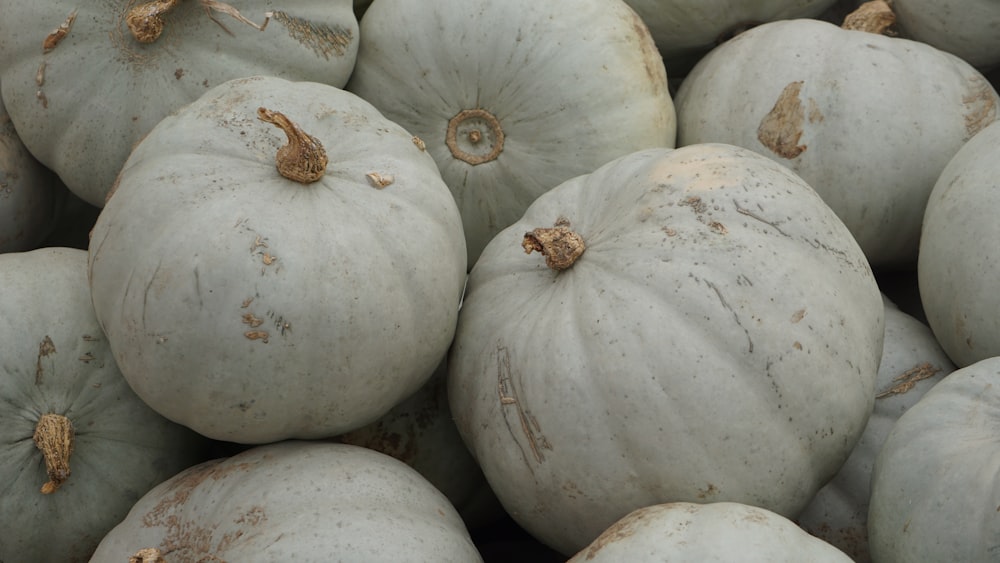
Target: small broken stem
x,y
303,158
54,437
147,555
146,22
560,245
875,16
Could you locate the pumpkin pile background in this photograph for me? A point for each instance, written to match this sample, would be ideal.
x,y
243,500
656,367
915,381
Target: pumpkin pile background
x,y
377,364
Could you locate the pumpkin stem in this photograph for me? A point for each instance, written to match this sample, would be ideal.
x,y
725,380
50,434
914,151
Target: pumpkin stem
x,y
54,437
875,16
560,245
303,158
474,136
145,21
147,555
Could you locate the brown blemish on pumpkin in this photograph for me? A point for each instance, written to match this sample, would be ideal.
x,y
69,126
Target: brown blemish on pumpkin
x,y
815,115
261,335
246,303
781,128
42,99
908,379
419,143
797,345
45,349
797,316
187,540
980,106
58,34
875,17
509,399
251,320
40,74
323,39
303,158
467,131
87,358
54,437
560,245
709,491
620,530
178,73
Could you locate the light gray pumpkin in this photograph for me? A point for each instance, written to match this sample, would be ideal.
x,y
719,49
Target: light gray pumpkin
x,y
82,89
717,339
869,121
934,494
294,501
512,98
912,363
720,532
253,307
77,446
28,192
957,268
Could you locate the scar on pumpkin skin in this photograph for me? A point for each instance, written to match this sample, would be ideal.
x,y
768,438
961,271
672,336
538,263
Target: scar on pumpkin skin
x,y
781,128
58,34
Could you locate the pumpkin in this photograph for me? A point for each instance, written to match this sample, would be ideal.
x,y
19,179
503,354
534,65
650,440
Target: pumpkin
x,y
254,307
420,432
966,29
719,532
934,494
511,98
955,268
713,334
84,82
869,121
28,192
293,501
684,30
77,446
912,363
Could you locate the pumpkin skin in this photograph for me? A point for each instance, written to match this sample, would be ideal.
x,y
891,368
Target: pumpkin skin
x,y
954,270
869,121
294,501
27,192
684,30
934,494
534,92
420,432
912,363
719,532
717,340
56,361
966,29
81,106
253,308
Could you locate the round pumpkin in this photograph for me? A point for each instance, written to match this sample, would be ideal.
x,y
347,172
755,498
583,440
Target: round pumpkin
x,y
869,121
713,335
293,501
719,532
934,494
512,98
77,446
956,268
253,307
85,81
912,363
28,192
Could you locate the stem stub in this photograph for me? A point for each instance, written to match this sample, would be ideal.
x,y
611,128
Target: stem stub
x,y
54,437
303,158
560,245
474,136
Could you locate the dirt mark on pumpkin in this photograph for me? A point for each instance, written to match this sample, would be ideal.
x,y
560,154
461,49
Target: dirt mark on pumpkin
x,y
511,401
620,530
980,106
322,39
45,349
781,128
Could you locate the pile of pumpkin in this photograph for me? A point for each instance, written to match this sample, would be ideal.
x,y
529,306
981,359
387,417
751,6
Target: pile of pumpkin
x,y
460,280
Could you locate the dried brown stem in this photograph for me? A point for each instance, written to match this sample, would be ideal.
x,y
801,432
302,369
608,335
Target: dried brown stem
x,y
875,16
560,245
54,437
303,158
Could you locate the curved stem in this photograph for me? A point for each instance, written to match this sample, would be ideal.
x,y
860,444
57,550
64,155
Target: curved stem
x,y
303,159
145,21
